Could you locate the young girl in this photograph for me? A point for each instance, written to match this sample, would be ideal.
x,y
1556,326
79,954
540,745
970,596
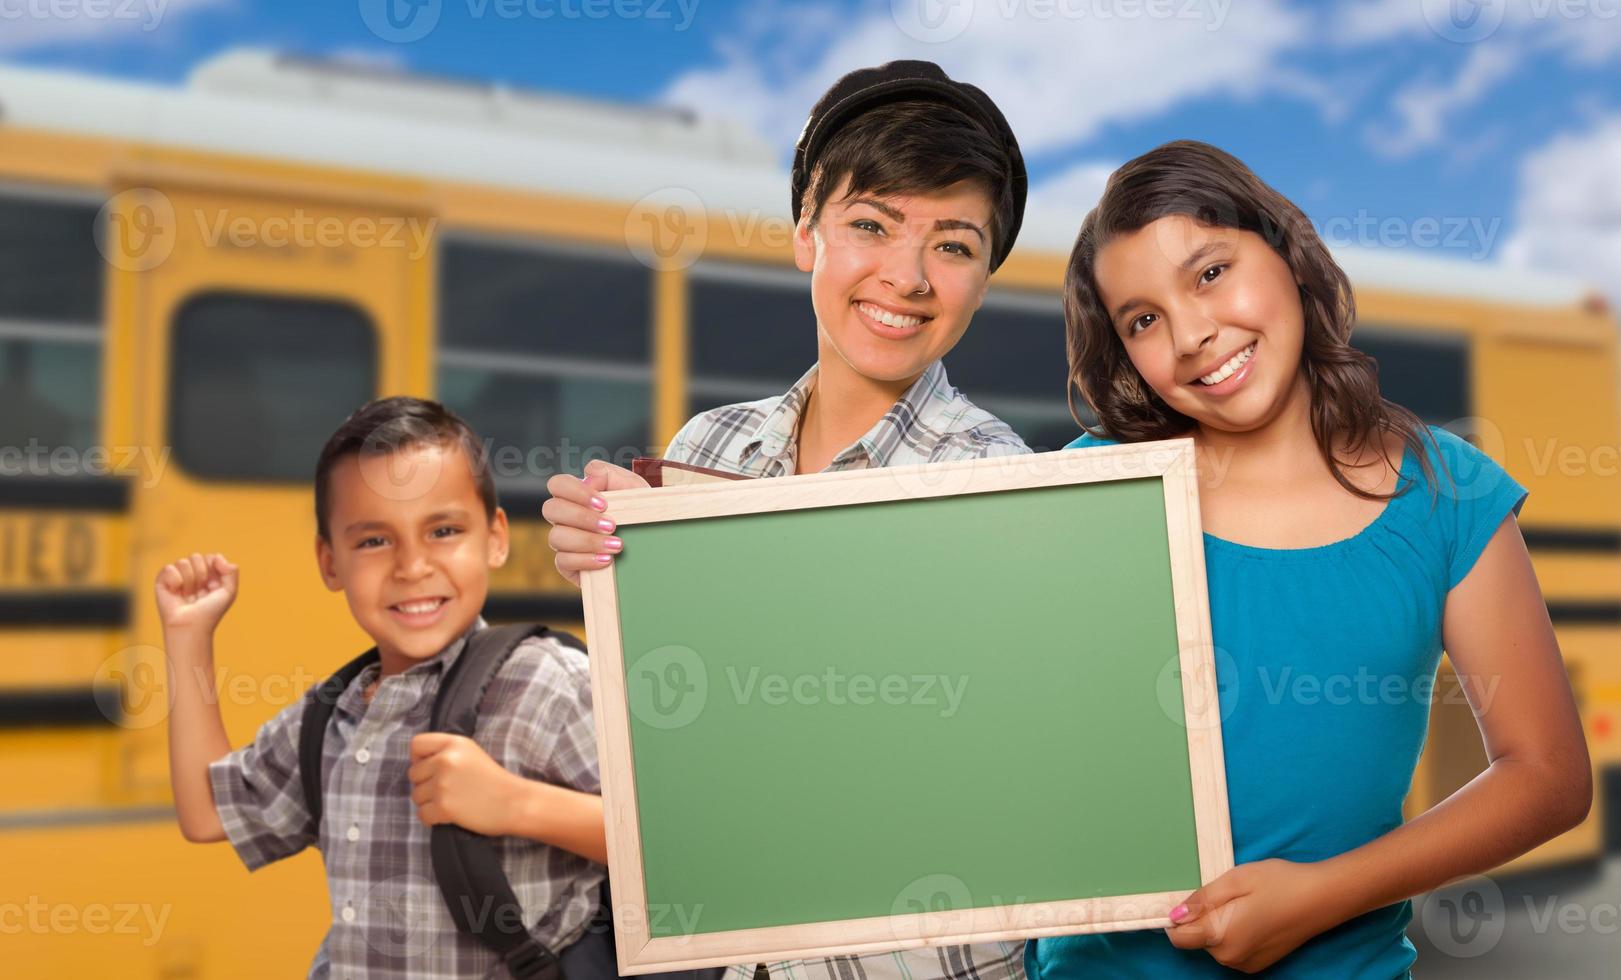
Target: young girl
x,y
1345,545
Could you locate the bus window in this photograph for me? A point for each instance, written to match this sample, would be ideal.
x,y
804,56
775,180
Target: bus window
x,y
752,329
1012,362
50,321
1427,374
259,383
546,350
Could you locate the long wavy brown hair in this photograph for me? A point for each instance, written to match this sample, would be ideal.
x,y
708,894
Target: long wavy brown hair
x,y
1216,189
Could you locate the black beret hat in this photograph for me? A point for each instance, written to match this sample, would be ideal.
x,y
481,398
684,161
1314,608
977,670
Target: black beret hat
x,y
897,81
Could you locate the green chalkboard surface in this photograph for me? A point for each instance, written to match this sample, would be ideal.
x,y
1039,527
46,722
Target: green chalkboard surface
x,y
913,705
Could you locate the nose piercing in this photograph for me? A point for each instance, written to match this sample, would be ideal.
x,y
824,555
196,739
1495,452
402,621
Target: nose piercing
x,y
924,289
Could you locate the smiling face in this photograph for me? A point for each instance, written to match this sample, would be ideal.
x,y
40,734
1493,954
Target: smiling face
x,y
896,278
1210,317
411,548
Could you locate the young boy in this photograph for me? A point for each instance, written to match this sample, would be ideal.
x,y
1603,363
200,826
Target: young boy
x,y
408,529
908,191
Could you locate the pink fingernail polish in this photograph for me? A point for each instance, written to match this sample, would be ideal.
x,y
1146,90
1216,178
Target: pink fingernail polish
x,y
604,559
612,544
599,503
1178,912
605,526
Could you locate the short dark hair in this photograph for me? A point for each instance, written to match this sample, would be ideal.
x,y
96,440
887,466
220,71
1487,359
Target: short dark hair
x,y
388,425
916,146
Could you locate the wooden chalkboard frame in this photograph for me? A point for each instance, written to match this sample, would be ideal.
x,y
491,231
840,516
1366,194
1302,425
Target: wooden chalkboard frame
x,y
1171,461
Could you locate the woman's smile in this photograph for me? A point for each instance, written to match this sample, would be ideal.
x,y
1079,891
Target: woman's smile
x,y
888,322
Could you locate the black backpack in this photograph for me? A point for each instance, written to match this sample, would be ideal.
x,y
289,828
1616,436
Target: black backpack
x,y
466,865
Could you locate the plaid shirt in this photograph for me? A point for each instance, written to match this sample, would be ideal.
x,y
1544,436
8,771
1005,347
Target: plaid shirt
x,y
931,422
388,917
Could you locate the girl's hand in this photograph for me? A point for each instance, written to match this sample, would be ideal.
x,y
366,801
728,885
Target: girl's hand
x,y
1256,914
582,531
194,593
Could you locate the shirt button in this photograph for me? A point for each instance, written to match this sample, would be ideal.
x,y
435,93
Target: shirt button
x,y
348,913
354,832
363,756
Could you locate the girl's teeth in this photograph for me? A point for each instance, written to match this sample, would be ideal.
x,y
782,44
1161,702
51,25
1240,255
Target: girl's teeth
x,y
892,319
1226,370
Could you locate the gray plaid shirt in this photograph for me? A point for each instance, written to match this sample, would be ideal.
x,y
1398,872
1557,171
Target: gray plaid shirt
x,y
932,422
388,917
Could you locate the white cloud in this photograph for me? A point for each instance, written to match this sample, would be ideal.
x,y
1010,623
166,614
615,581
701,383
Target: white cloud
x,y
1060,69
1059,203
1376,20
1591,40
28,26
1584,30
1497,39
1569,212
1073,192
1334,97
1423,108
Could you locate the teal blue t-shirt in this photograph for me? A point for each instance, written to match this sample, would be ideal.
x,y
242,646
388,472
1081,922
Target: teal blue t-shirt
x,y
1325,663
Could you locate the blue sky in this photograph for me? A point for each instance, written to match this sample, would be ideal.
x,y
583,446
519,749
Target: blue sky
x,y
1500,120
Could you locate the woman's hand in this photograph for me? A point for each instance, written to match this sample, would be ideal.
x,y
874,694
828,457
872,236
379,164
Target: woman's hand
x,y
582,531
1256,914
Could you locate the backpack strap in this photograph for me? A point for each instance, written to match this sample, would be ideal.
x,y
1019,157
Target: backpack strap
x,y
321,701
466,865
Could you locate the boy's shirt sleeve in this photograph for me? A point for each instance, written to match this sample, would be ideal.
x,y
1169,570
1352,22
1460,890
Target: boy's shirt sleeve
x,y
259,796
555,728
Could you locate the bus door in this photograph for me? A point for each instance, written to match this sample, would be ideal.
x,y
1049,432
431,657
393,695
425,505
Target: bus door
x,y
246,315
65,499
257,321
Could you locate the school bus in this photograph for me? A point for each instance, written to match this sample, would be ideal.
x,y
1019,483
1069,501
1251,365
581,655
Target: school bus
x,y
197,283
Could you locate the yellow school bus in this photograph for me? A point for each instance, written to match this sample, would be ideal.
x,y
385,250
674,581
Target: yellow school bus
x,y
198,283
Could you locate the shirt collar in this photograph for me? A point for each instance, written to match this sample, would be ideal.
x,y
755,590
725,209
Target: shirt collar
x,y
914,410
773,438
441,661
353,700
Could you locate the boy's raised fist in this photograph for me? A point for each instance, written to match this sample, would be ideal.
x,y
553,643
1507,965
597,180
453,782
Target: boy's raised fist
x,y
195,592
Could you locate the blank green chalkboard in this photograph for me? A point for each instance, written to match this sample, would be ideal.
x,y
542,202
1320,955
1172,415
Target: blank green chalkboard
x,y
885,708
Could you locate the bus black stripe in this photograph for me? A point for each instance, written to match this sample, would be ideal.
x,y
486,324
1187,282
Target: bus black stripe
x,y
83,607
1585,540
60,707
95,493
1585,612
523,607
523,505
